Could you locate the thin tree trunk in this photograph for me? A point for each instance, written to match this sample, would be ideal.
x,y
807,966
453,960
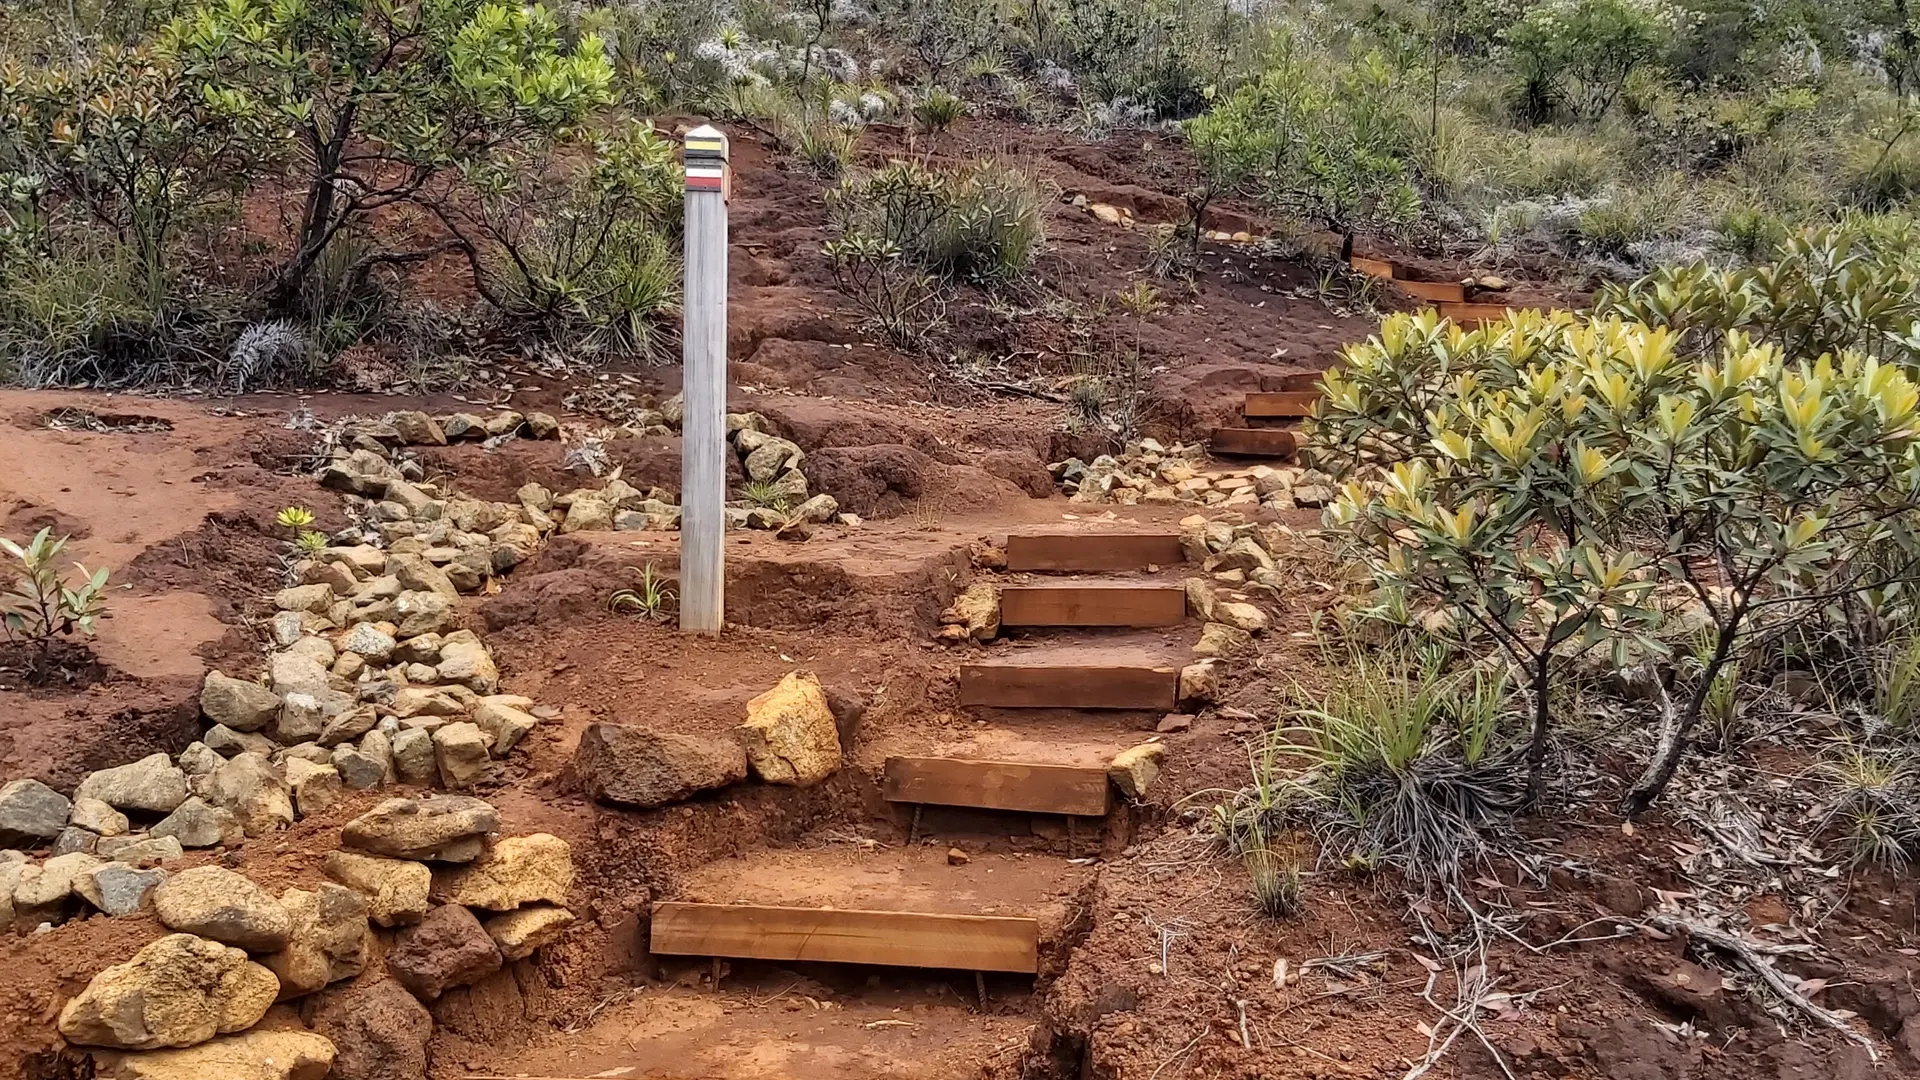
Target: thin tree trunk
x,y
1542,723
1675,728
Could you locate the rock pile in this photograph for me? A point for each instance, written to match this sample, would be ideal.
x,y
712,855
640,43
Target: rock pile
x,y
420,887
772,464
1147,472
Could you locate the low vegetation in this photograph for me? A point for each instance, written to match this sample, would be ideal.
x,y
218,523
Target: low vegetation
x,y
43,605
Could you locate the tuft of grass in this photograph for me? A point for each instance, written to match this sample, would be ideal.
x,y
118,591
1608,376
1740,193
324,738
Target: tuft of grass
x,y
1896,688
764,494
938,111
1278,885
652,598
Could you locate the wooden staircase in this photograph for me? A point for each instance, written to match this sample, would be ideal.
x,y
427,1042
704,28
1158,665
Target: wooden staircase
x,y
1450,298
1293,401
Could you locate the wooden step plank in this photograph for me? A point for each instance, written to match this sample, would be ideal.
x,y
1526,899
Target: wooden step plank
x,y
1253,442
1302,380
1058,686
1437,292
1092,551
1473,314
892,938
1078,790
1373,268
1284,404
1092,605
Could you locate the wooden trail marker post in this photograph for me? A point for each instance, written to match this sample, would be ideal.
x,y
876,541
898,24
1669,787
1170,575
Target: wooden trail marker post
x,y
703,447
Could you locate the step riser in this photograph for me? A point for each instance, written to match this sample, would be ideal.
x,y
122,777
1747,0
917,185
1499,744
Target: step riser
x,y
1302,381
1436,292
998,785
1084,606
1253,442
1373,268
1473,314
999,686
889,938
1110,551
1283,405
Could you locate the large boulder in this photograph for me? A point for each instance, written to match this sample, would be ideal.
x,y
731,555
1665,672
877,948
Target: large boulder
x,y
878,481
237,703
255,1055
518,933
446,949
329,940
790,735
513,872
633,766
217,903
178,991
31,812
395,890
254,790
380,1031
439,828
151,785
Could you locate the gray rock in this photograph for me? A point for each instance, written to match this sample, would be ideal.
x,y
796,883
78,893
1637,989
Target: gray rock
x,y
200,824
97,817
301,718
368,641
423,613
464,661
413,756
442,828
119,889
199,759
348,726
636,767
461,751
423,649
771,457
240,705
138,850
74,838
306,751
298,673
287,627
153,785
358,769
31,812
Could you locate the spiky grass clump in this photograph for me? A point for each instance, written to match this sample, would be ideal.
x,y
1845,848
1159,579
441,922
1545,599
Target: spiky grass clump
x,y
1278,883
1875,803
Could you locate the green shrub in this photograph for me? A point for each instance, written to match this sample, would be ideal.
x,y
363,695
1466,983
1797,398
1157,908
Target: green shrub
x,y
42,606
1577,55
981,223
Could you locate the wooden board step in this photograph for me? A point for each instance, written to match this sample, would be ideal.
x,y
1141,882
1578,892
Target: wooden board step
x,y
1436,292
1373,268
1302,381
1473,314
1092,551
1253,442
1077,790
1093,605
1063,686
1284,404
891,938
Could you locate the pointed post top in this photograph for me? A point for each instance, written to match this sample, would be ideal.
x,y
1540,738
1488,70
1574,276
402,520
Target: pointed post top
x,y
706,141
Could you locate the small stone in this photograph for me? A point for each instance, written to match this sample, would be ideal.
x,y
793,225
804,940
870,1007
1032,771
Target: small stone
x,y
517,934
151,785
504,724
226,742
542,426
418,574
51,883
790,734
424,649
1219,639
1244,555
1199,598
214,902
588,513
819,510
1133,771
416,428
1200,683
328,941
74,838
255,791
516,871
447,948
460,750
1241,616
199,759
977,610
314,787
360,770
140,850
1175,722
413,757
240,705
464,661
314,598
31,812
368,641
956,857
177,991
396,890
423,613
347,726
117,889
200,824
443,828
298,673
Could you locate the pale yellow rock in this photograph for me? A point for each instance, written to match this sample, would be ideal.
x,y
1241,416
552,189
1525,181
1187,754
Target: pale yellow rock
x,y
1219,639
1199,598
519,933
180,990
1241,616
255,1055
790,734
1133,771
516,871
396,890
978,610
1200,682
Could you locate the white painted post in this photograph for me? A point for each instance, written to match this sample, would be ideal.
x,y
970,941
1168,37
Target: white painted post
x,y
703,443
